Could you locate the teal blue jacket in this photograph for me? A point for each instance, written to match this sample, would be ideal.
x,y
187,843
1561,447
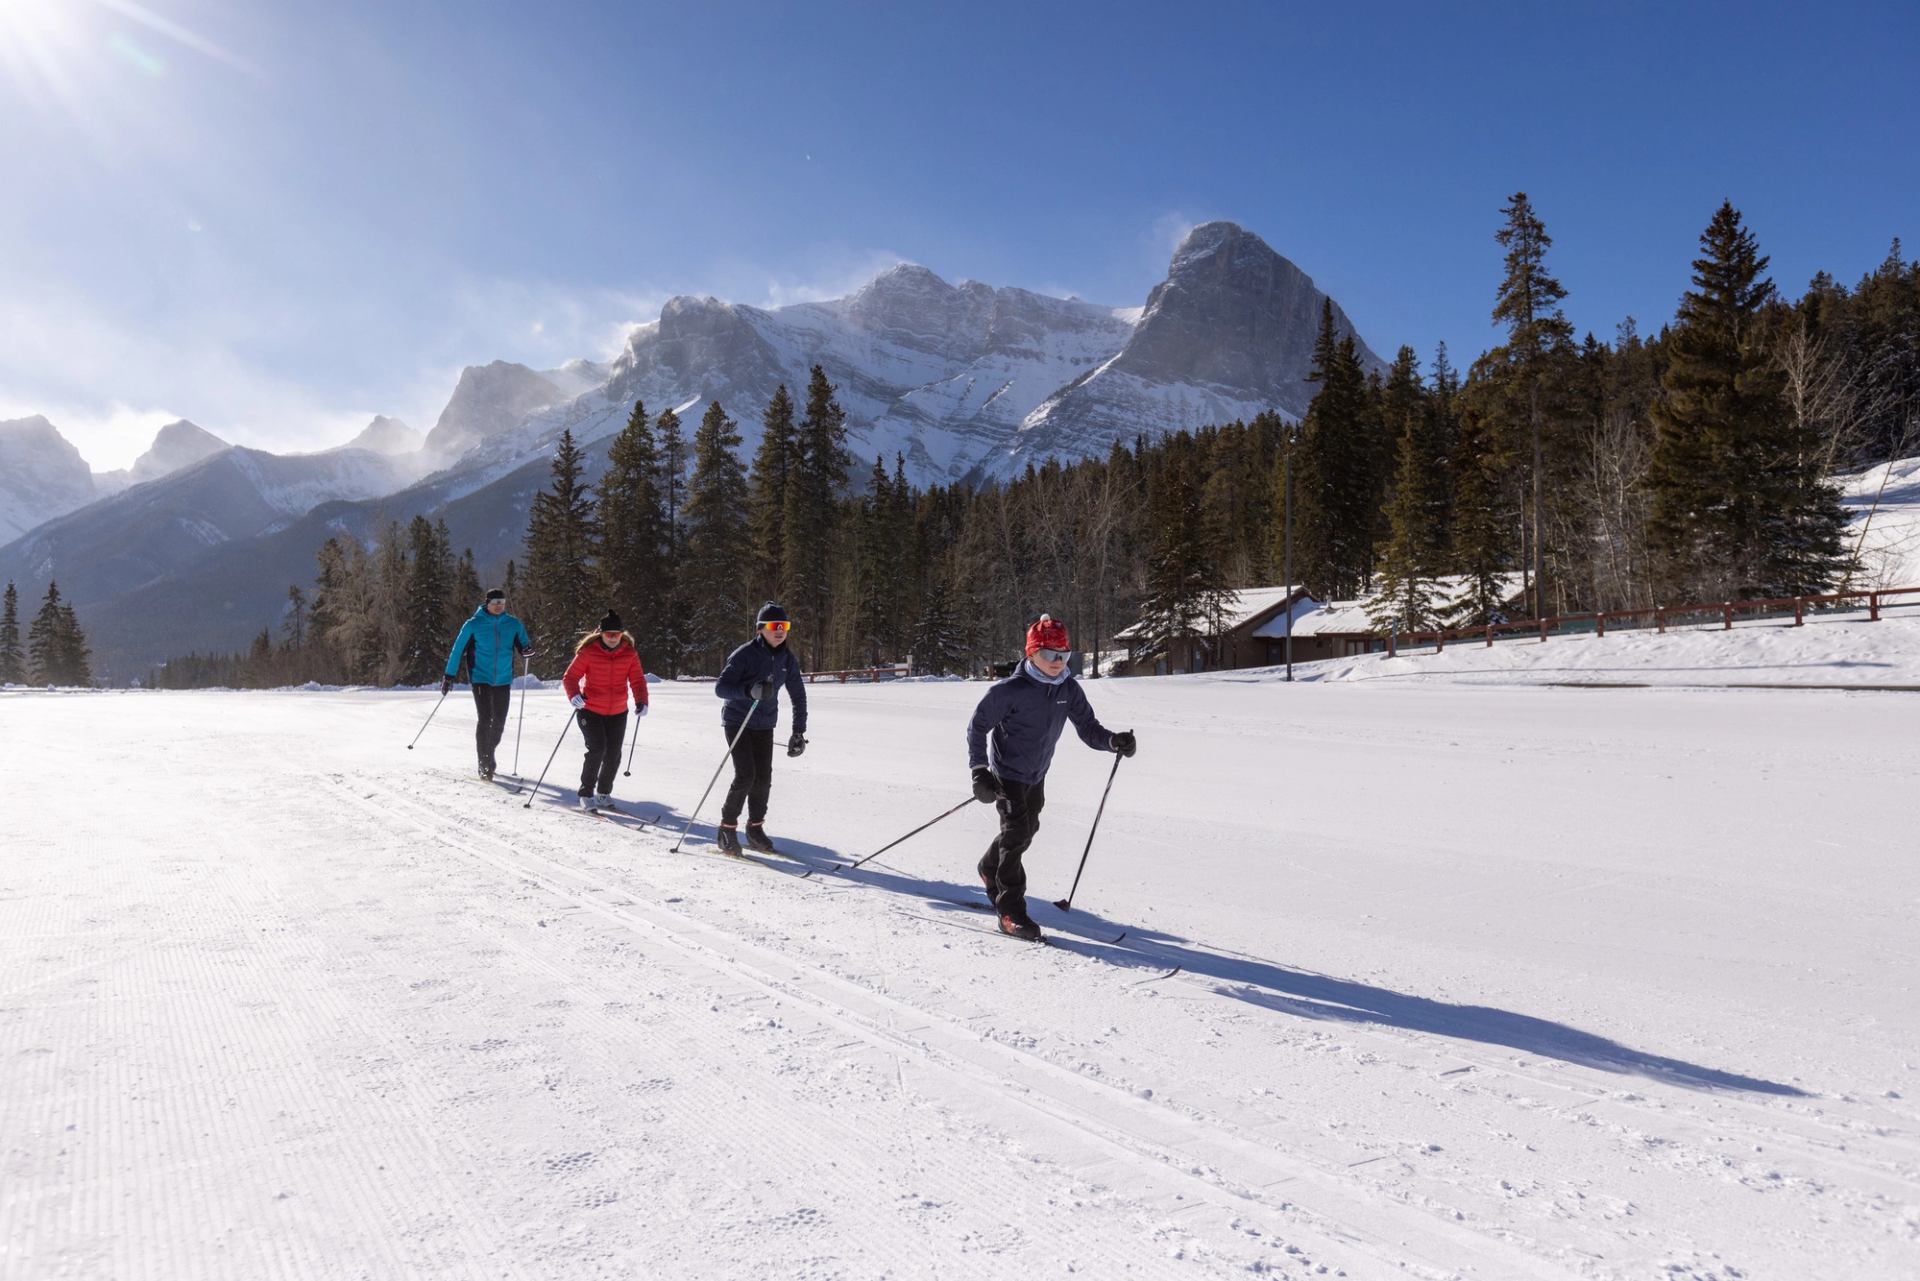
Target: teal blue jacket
x,y
490,644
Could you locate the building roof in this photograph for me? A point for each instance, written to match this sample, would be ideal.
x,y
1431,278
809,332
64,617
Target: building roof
x,y
1246,604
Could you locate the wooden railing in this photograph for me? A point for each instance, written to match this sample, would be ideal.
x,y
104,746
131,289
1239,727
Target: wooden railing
x,y
888,671
1661,615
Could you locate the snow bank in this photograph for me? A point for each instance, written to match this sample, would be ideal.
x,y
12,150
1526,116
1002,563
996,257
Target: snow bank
x,y
1822,653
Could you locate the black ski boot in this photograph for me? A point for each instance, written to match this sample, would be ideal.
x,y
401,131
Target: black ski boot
x,y
728,840
757,838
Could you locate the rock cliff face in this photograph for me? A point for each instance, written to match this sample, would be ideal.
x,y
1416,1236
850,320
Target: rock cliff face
x,y
488,400
41,476
971,381
1229,333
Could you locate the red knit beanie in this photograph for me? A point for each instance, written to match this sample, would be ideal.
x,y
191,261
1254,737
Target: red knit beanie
x,y
1046,634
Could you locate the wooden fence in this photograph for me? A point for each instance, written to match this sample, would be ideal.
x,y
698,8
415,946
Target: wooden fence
x,y
1662,615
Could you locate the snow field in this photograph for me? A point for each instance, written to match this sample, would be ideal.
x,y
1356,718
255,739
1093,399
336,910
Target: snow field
x,y
1418,980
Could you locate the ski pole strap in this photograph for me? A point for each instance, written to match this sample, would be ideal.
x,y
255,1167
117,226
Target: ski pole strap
x,y
909,836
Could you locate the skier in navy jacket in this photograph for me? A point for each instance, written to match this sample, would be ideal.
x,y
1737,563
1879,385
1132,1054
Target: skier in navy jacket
x,y
487,643
751,681
1017,724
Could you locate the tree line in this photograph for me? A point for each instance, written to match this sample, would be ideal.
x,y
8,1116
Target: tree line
x,y
56,650
1693,464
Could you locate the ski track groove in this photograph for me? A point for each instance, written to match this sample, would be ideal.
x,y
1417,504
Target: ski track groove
x,y
1048,1090
754,1129
1629,1120
185,1223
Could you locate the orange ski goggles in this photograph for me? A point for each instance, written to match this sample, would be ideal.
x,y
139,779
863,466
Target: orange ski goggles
x,y
778,626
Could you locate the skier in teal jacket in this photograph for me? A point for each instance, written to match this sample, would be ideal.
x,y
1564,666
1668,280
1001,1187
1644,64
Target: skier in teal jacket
x,y
487,643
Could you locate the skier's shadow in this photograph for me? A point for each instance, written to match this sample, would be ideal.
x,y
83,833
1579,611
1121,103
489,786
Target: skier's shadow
x,y
1305,994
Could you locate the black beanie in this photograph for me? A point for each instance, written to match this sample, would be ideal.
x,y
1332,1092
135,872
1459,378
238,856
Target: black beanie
x,y
611,623
496,594
770,613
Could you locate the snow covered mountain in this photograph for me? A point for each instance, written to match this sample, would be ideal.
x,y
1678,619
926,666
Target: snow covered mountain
x,y
968,382
41,476
179,444
156,530
488,400
386,435
1228,334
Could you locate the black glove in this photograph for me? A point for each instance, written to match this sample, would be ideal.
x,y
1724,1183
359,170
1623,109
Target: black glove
x,y
446,685
1123,742
986,788
760,691
797,744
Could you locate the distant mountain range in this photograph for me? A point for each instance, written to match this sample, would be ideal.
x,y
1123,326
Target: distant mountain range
x,y
195,546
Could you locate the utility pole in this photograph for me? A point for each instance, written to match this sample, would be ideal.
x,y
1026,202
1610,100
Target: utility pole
x,y
1287,503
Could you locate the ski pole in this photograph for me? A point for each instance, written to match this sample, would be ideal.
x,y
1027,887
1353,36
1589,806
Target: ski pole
x,y
427,722
522,722
716,776
549,765
909,836
635,742
1066,904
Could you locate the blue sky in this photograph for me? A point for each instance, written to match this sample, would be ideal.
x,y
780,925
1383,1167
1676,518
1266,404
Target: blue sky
x,y
280,219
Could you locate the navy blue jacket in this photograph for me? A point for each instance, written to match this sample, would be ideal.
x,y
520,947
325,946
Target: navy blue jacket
x,y
1022,717
493,641
753,662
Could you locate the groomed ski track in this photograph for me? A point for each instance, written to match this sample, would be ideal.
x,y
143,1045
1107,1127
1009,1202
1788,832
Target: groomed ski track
x,y
299,1003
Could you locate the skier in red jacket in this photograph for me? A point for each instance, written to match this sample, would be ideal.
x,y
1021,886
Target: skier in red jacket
x,y
606,666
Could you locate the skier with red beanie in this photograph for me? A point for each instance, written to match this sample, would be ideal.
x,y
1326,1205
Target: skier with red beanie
x,y
605,667
1015,727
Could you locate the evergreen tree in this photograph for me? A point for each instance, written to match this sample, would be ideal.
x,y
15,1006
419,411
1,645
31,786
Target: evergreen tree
x,y
57,651
633,521
938,644
670,608
1484,516
429,585
718,544
767,500
1528,304
818,474
293,630
562,545
1335,485
1739,506
1186,584
75,655
879,560
466,593
1416,514
13,660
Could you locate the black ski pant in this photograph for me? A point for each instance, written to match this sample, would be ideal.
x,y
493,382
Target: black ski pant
x,y
752,774
491,702
1006,879
604,734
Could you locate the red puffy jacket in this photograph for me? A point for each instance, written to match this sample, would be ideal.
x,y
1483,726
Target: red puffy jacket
x,y
608,674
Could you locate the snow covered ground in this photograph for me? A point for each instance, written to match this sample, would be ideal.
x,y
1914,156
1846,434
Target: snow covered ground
x,y
1418,979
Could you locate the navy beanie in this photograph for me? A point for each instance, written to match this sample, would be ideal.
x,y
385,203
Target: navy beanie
x,y
770,613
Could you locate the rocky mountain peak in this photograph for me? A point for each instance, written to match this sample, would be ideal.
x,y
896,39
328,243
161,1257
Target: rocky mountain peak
x,y
179,444
42,475
487,400
386,435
